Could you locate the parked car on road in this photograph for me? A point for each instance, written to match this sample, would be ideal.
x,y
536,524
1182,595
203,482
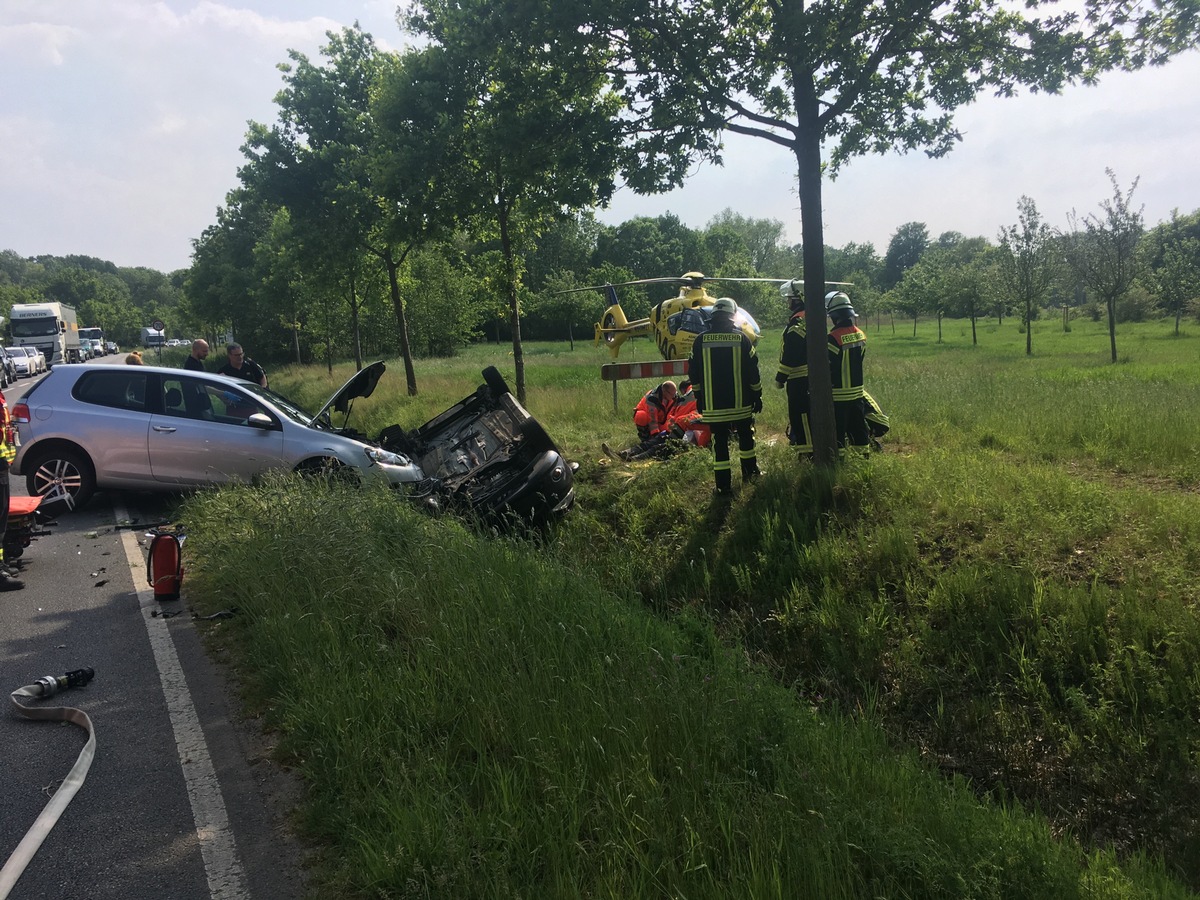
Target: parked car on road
x,y
24,364
39,360
152,428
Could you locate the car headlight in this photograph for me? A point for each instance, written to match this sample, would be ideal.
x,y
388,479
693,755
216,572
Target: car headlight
x,y
384,457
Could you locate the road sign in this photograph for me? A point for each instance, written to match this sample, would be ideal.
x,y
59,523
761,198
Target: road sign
x,y
158,325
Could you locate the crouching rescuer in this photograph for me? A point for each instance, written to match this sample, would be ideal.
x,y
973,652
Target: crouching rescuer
x,y
723,369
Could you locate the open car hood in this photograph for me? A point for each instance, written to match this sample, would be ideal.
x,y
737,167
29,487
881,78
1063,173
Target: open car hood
x,y
361,384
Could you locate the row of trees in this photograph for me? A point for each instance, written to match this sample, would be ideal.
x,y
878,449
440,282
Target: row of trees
x,y
119,300
1029,269
1104,264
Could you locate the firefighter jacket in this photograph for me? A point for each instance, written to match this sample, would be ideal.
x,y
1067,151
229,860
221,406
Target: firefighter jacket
x,y
686,415
650,415
793,355
8,434
847,347
723,369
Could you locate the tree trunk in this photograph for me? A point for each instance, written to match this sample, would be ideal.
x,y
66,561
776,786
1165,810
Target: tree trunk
x,y
514,309
410,374
1112,326
355,332
1028,328
812,234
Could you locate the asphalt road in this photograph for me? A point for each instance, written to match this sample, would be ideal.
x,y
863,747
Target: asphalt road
x,y
181,800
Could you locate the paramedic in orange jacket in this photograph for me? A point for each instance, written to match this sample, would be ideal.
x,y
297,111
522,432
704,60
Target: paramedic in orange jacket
x,y
651,414
685,420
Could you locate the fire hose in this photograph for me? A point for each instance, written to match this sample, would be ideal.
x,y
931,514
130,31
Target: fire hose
x,y
40,690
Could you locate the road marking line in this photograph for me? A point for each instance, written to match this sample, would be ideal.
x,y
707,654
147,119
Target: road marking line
x,y
222,867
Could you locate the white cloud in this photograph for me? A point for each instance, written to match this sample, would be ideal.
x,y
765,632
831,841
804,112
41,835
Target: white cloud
x,y
36,43
121,122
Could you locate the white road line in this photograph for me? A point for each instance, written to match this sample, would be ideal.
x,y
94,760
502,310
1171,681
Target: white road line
x,y
222,867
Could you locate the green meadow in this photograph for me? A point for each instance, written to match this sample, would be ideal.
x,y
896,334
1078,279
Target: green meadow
x,y
967,666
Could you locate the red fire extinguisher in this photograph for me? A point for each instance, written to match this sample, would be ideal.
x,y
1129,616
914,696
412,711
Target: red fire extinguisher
x,y
164,568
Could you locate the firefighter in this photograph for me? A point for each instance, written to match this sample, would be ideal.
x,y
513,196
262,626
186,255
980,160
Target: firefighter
x,y
685,420
847,347
723,369
793,368
8,451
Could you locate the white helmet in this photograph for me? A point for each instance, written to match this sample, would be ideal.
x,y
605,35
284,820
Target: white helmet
x,y
838,301
725,305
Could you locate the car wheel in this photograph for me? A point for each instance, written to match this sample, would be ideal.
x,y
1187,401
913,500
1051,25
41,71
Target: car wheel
x,y
495,381
64,479
329,468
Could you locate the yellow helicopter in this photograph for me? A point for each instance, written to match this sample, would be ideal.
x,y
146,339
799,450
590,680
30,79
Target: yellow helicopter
x,y
675,322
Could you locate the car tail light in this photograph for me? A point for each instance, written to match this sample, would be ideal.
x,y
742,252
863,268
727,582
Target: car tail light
x,y
20,413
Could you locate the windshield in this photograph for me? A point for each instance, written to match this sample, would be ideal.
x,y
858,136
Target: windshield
x,y
92,334
281,403
16,351
34,327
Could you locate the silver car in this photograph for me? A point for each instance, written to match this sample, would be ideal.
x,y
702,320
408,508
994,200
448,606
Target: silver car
x,y
150,428
23,362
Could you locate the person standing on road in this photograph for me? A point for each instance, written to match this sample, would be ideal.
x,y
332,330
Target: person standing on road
x,y
241,366
195,360
8,451
723,369
793,368
847,347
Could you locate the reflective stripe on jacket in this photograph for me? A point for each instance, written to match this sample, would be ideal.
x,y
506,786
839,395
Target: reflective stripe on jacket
x,y
723,369
650,413
793,354
847,347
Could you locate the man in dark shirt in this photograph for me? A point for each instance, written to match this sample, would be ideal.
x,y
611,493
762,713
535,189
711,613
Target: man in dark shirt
x,y
241,366
195,360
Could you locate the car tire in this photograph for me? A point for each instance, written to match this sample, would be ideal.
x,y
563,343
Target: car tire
x,y
64,478
495,381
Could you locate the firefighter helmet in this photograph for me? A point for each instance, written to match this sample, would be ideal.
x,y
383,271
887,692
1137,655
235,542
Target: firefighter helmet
x,y
725,305
837,301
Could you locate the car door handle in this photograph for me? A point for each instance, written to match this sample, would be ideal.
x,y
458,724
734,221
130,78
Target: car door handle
x,y
165,429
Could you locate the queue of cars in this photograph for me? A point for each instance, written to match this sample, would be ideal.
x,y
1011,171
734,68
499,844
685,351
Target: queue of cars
x,y
109,427
25,362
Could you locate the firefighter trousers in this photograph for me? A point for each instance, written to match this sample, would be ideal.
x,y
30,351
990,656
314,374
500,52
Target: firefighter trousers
x,y
722,468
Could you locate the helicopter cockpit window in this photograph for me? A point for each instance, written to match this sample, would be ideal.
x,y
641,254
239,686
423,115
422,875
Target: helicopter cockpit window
x,y
693,320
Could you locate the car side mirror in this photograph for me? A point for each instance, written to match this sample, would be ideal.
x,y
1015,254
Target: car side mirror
x,y
261,420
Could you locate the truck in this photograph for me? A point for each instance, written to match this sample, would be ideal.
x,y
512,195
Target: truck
x,y
51,327
153,338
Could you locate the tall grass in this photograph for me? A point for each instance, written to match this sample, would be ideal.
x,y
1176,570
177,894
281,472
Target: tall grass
x,y
1006,595
477,720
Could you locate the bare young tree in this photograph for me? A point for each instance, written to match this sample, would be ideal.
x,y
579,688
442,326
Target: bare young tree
x,y
1027,263
1103,250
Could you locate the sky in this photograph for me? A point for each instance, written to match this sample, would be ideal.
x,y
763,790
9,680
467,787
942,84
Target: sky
x,y
121,124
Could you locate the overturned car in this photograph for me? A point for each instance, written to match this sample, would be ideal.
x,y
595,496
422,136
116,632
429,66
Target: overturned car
x,y
488,455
